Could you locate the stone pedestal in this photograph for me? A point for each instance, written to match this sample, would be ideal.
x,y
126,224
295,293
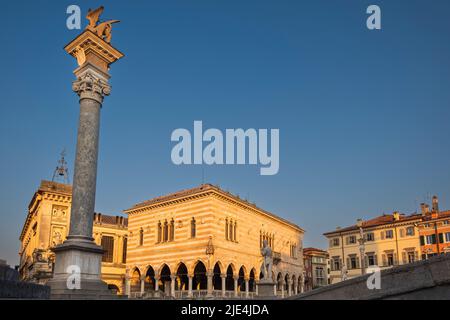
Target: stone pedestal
x,y
265,289
77,271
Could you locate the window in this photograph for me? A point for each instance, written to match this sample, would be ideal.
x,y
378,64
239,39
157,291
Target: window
x,y
371,259
336,263
294,251
410,231
320,278
430,239
446,222
193,228
159,227
335,242
370,236
108,247
166,231
353,262
141,237
389,234
230,235
411,257
351,239
124,251
226,229
172,230
447,237
390,259
235,232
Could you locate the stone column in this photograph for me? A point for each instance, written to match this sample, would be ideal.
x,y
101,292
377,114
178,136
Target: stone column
x,y
247,288
224,284
190,286
289,288
79,257
295,287
127,285
173,278
209,284
236,286
275,293
157,286
142,285
282,288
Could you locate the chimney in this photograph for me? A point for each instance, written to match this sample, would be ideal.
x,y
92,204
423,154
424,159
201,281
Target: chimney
x,y
435,204
424,208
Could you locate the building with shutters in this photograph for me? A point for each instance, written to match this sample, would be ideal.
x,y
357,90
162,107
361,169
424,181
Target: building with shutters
x,y
317,264
389,240
47,225
434,230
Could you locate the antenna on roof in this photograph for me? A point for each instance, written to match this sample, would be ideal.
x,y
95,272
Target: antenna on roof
x,y
61,172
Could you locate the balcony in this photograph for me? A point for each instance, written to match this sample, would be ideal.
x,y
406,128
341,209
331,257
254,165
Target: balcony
x,y
276,257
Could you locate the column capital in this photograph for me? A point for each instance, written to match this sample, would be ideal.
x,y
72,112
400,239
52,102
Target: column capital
x,y
223,275
90,85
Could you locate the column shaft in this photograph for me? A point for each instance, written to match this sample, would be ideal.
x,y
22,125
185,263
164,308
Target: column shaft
x,y
85,173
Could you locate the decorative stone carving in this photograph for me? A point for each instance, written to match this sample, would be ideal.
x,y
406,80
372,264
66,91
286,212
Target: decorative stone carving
x,y
59,213
91,87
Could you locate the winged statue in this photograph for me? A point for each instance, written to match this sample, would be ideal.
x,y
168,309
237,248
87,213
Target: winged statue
x,y
102,29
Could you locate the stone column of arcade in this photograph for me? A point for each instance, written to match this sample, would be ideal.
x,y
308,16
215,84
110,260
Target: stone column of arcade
x,y
77,272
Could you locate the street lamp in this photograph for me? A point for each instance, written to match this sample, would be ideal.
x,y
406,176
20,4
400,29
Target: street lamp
x,y
362,246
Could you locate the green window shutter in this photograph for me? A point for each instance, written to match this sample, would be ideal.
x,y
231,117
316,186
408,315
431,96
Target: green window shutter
x,y
441,238
404,258
349,265
422,240
357,263
382,235
433,238
402,233
384,258
376,259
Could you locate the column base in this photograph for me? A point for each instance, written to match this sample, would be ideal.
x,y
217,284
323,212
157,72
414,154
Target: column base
x,y
265,289
77,271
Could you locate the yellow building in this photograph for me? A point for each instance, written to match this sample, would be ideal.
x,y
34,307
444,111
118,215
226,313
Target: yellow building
x,y
206,242
389,240
47,224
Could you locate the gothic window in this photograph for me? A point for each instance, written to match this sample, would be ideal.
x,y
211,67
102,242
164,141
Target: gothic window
x,y
166,231
141,237
159,232
226,228
235,231
230,236
193,228
172,230
124,251
108,247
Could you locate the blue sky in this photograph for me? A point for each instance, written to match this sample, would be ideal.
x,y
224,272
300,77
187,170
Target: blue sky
x,y
363,115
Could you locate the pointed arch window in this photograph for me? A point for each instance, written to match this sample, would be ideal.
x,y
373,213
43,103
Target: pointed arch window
x,y
235,232
193,228
172,230
230,236
141,237
159,228
226,228
166,231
